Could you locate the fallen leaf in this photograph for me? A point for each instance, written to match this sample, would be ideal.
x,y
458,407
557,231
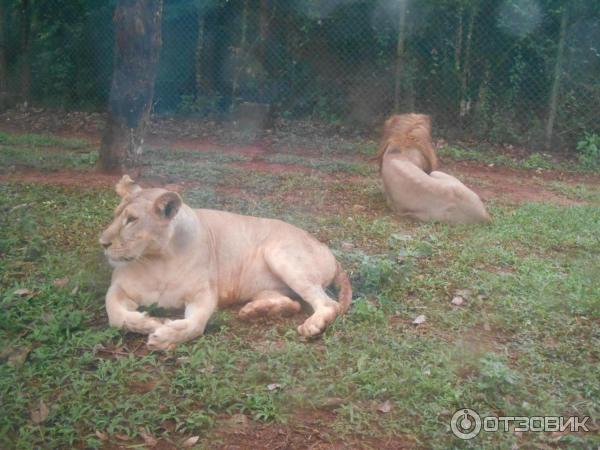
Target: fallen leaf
x,y
458,301
347,246
419,319
18,356
273,386
238,423
190,442
23,292
75,290
385,407
149,440
464,293
401,237
40,414
332,402
61,282
102,436
122,437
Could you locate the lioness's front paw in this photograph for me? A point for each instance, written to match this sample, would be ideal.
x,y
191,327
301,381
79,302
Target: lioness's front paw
x,y
164,338
146,325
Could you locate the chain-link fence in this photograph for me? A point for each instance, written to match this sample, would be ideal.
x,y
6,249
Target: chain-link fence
x,y
496,70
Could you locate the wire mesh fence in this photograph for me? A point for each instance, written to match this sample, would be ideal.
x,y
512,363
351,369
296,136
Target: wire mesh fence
x,y
511,71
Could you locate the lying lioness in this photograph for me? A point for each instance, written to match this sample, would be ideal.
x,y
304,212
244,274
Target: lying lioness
x,y
413,187
166,253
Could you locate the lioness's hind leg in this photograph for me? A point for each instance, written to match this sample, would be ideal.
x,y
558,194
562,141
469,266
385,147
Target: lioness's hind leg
x,y
303,278
270,304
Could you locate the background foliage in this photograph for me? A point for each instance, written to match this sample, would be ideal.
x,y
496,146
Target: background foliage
x,y
485,69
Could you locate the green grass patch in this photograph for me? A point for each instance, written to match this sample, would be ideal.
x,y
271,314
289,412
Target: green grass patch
x,y
328,165
41,140
525,342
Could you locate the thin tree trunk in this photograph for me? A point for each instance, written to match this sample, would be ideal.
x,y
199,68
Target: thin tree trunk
x,y
137,48
458,43
465,102
200,57
262,49
556,80
240,56
400,54
25,50
3,72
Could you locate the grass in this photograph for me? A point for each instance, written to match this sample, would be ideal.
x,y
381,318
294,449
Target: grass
x,y
532,161
39,151
525,343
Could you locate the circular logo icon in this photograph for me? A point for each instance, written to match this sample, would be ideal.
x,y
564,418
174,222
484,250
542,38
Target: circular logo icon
x,y
465,424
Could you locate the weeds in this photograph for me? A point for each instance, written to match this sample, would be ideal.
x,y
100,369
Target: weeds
x,y
524,343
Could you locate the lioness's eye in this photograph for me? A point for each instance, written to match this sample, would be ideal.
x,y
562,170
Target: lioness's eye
x,y
130,219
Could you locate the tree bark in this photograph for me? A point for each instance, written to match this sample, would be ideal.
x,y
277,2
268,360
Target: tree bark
x,y
240,55
136,52
262,48
25,50
400,54
3,72
465,101
556,80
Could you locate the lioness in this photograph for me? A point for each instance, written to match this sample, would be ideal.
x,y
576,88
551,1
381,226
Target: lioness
x,y
166,253
412,185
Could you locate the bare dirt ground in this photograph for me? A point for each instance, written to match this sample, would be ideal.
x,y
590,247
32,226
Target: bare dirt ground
x,y
303,139
309,429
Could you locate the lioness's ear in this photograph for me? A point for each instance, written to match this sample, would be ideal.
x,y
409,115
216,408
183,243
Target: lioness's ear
x,y
167,205
126,186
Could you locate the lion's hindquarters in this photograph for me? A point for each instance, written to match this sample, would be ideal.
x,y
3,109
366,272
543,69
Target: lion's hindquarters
x,y
468,207
434,197
412,192
307,267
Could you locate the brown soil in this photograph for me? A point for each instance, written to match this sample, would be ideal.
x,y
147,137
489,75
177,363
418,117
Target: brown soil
x,y
63,178
265,166
506,184
308,430
516,185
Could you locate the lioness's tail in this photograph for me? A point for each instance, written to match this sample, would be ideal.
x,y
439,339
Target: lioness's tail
x,y
342,283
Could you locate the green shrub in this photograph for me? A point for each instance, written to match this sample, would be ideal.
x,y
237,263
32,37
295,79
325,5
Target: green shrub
x,y
588,150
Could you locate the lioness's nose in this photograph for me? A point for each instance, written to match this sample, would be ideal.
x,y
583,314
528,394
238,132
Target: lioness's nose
x,y
104,243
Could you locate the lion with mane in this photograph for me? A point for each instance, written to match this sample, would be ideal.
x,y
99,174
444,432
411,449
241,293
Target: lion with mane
x,y
412,184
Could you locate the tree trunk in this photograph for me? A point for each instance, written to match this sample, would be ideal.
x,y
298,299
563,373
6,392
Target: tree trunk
x,y
556,80
262,48
3,72
201,66
137,48
400,54
465,101
25,50
240,57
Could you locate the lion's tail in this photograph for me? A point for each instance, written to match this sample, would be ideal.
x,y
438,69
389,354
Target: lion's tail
x,y
342,283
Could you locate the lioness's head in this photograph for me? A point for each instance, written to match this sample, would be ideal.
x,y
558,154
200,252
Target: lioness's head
x,y
142,224
407,132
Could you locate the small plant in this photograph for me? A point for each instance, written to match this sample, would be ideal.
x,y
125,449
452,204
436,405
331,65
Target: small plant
x,y
588,150
537,161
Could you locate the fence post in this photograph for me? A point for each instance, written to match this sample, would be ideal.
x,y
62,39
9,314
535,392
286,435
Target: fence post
x,y
400,54
556,80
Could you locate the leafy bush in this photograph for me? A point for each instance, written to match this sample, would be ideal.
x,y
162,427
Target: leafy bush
x,y
588,150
